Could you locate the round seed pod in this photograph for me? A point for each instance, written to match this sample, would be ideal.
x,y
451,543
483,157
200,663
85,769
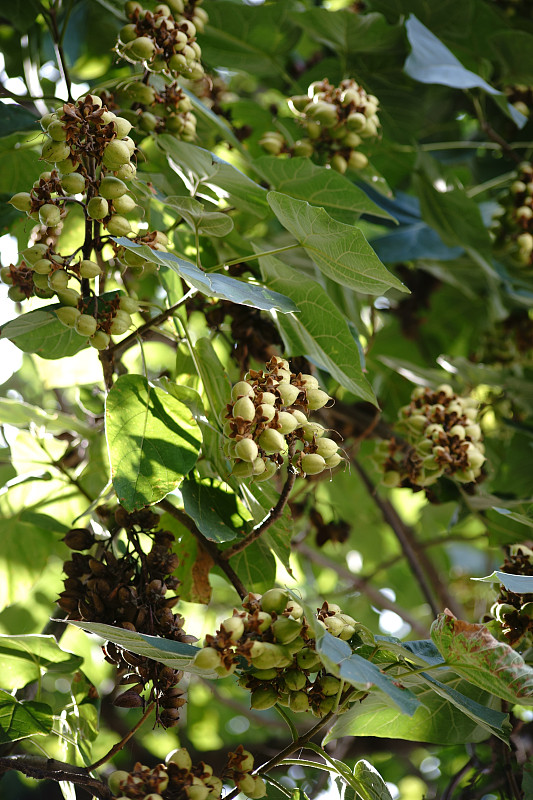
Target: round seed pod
x,y
308,660
73,183
111,187
117,780
56,131
316,399
339,163
100,340
118,226
294,680
116,154
55,151
119,326
357,160
196,792
259,466
49,215
287,423
326,447
49,118
266,411
140,49
35,253
299,416
244,408
5,275
148,122
16,294
126,172
286,630
97,208
246,450
259,789
207,658
69,297
66,166
298,701
122,127
124,204
58,280
263,697
272,441
130,144
42,266
128,304
242,389
180,757
270,470
274,600
246,783
41,282
89,269
313,464
21,201
333,461
268,398
311,429
242,470
234,626
288,393
127,33
85,325
68,316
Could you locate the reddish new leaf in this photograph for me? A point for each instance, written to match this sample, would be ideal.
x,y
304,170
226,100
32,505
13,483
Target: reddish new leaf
x,y
472,652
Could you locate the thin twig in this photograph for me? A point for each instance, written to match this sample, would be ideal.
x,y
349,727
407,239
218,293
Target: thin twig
x,y
361,585
392,518
51,19
210,547
273,516
125,343
48,768
119,745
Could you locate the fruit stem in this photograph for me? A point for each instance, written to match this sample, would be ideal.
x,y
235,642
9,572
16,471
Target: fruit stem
x,y
119,745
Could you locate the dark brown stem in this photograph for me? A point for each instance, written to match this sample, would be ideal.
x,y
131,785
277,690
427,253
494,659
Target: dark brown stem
x,y
210,547
361,585
48,768
274,514
392,518
119,745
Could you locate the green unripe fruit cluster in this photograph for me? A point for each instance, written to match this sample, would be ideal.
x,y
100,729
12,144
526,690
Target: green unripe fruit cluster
x,y
441,429
513,229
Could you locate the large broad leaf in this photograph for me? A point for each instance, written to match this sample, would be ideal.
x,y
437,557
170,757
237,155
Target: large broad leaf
x,y
519,584
349,34
216,510
340,251
471,651
25,658
192,161
256,566
211,223
41,332
18,720
153,441
213,375
26,548
457,713
338,658
20,414
300,178
319,331
213,284
16,118
430,61
255,40
370,784
177,655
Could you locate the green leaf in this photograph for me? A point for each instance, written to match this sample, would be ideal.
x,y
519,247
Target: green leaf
x,y
216,510
194,565
21,719
19,572
319,332
349,34
153,441
371,785
20,414
16,118
188,159
213,120
213,284
338,658
254,40
518,584
261,498
210,223
514,515
40,332
471,651
25,658
213,375
436,720
256,566
300,178
340,251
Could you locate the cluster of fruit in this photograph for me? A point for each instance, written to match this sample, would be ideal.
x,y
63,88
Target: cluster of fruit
x,y
164,39
130,591
336,120
513,229
177,777
268,418
520,96
155,240
98,320
441,437
274,638
168,110
511,616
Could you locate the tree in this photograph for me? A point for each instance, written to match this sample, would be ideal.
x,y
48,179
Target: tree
x,y
270,412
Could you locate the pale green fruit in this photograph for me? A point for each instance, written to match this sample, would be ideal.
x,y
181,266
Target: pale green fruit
x,y
266,411
69,297
242,389
55,151
66,166
100,340
58,280
141,93
326,447
116,154
122,127
242,470
234,626
180,757
246,783
42,266
49,215
316,399
86,325
244,408
49,118
274,600
130,144
73,183
41,282
391,478
111,187
259,789
298,702
272,441
196,792
118,226
286,630
309,381
311,429
121,323
148,121
6,276
207,658
117,779
16,294
246,450
287,423
457,430
303,148
333,461
35,253
339,163
97,208
329,685
264,619
126,172
334,625
300,417
93,99
268,397
263,697
140,49
288,393
356,121
313,464
68,316
357,160
124,204
127,33
259,467
21,201
128,304
307,659
294,680
56,131
270,470
89,269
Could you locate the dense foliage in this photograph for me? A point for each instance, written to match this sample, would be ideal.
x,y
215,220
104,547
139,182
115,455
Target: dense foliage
x,y
267,275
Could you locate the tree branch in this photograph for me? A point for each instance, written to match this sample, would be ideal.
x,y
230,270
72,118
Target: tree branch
x,y
42,768
210,547
274,514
